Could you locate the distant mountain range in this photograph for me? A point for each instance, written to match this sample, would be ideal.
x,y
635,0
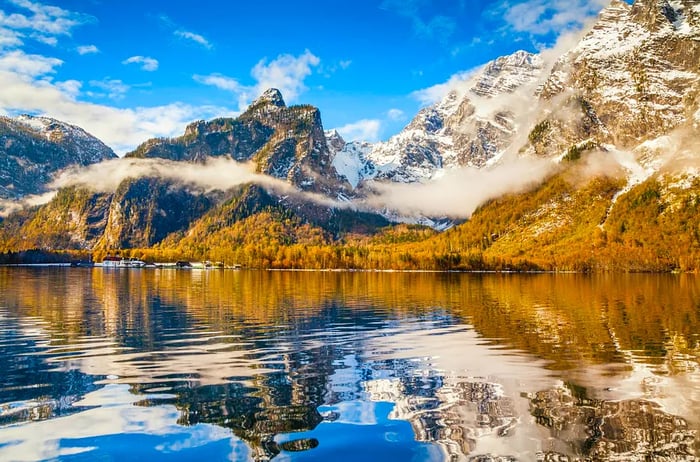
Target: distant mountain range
x,y
616,120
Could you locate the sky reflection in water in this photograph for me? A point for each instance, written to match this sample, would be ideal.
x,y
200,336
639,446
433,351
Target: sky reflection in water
x,y
225,365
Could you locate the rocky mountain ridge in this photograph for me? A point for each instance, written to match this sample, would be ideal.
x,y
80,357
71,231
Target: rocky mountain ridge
x,y
470,127
617,116
635,76
287,143
32,149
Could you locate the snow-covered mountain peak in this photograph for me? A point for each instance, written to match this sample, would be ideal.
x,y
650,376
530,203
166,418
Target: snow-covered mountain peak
x,y
459,130
52,129
507,73
33,148
635,73
88,148
334,140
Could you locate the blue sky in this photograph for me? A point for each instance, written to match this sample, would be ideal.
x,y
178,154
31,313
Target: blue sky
x,y
128,70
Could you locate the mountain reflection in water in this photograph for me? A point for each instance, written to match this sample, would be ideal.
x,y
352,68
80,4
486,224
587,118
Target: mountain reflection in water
x,y
239,365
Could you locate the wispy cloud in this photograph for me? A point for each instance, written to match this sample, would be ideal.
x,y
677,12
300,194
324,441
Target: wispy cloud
x,y
28,86
327,70
435,93
147,64
459,192
395,115
542,17
9,38
28,66
439,27
215,173
45,39
364,130
113,88
221,82
87,49
287,73
44,20
197,38
184,33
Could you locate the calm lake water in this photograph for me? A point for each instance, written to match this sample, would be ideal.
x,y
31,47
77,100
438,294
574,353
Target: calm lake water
x,y
237,365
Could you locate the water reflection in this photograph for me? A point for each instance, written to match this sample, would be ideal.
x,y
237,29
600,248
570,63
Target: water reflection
x,y
350,365
610,430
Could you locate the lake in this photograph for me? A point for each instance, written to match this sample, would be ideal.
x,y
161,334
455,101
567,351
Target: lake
x,y
156,364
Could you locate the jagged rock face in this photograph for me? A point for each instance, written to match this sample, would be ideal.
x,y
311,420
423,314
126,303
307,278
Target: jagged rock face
x,y
74,219
633,77
461,130
32,149
139,214
144,211
350,159
285,142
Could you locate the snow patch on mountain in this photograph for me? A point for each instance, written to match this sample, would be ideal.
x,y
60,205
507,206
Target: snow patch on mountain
x,y
38,124
683,180
349,159
471,125
89,149
612,35
679,19
33,149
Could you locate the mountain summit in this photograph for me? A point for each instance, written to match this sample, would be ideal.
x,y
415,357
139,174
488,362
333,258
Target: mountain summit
x,y
470,126
632,78
33,148
271,96
287,143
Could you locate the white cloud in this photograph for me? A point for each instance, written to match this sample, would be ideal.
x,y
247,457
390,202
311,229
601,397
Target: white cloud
x,y
147,63
87,49
431,95
45,39
345,64
364,130
286,73
19,63
459,192
220,81
183,33
542,17
217,173
115,89
9,38
45,20
199,39
395,115
70,87
28,87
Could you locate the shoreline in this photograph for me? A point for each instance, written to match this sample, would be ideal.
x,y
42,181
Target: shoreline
x,y
171,267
